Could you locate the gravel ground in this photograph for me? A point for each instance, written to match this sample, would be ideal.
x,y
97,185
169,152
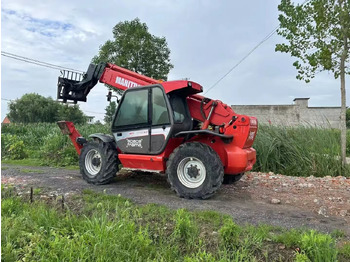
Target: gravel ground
x,y
259,198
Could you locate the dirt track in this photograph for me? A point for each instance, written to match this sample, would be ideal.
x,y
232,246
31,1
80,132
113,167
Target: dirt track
x,y
322,204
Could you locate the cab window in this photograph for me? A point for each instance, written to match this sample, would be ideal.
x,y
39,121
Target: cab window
x,y
133,110
160,115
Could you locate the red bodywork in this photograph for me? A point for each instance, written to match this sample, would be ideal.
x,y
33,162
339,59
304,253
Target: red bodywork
x,y
237,156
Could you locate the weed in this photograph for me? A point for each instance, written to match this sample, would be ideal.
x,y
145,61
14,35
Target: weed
x,y
110,228
345,250
230,235
301,257
318,247
337,233
289,238
36,191
186,230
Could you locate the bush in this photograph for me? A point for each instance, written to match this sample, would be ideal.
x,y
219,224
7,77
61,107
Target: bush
x,y
12,147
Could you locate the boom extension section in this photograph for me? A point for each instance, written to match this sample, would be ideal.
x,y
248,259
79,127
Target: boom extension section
x,y
75,87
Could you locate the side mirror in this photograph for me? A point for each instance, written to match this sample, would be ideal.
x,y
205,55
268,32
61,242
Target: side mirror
x,y
109,96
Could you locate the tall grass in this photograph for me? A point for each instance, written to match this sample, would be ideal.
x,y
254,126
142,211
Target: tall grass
x,y
46,142
300,151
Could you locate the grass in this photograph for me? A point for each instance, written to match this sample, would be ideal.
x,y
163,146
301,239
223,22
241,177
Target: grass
x,y
301,151
36,171
100,227
23,162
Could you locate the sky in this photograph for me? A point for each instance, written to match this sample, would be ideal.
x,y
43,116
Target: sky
x,y
206,39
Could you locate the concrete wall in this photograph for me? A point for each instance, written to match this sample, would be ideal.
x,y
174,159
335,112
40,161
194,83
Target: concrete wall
x,y
295,114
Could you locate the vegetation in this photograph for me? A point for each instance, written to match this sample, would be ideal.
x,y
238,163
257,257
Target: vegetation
x,y
100,227
136,49
34,108
43,141
318,35
110,111
301,151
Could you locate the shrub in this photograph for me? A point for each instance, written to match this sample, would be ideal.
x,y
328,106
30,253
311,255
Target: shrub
x,y
12,147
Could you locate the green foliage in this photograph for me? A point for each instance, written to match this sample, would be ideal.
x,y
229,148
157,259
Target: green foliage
x,y
289,238
345,250
301,257
134,48
301,151
110,111
317,32
45,141
71,113
110,227
348,118
185,230
318,247
12,147
34,108
230,235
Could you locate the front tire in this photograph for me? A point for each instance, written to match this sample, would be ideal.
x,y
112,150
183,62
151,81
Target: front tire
x,y
98,162
231,179
195,170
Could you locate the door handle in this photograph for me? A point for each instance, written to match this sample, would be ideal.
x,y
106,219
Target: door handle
x,y
119,134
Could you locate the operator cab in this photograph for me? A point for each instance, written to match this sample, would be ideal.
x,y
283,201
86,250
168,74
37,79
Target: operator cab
x,y
147,117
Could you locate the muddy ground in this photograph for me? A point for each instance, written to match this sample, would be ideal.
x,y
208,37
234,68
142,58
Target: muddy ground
x,y
258,198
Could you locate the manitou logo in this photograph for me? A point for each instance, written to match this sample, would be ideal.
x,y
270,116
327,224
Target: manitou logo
x,y
123,82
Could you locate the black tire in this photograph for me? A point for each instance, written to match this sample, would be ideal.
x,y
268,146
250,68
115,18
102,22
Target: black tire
x,y
231,179
201,155
99,162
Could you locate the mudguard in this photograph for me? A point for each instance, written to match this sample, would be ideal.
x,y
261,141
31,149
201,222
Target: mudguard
x,y
104,137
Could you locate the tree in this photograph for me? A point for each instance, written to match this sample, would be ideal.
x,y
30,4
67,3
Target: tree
x,y
136,49
71,113
34,108
318,33
110,111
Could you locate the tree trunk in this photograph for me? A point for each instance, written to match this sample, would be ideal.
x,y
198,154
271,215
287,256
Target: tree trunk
x,y
343,24
343,112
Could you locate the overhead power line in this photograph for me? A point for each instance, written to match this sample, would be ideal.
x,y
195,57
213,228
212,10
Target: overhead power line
x,y
87,111
38,62
244,58
267,37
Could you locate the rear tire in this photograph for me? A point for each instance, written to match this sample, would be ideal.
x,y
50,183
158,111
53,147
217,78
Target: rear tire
x,y
195,170
231,179
98,162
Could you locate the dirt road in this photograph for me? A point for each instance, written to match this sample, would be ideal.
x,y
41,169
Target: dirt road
x,y
290,202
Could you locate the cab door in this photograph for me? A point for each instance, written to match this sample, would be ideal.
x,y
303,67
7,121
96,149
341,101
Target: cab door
x,y
161,120
142,122
132,123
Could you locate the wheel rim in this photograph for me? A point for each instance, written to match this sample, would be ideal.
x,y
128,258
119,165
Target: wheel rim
x,y
191,172
93,162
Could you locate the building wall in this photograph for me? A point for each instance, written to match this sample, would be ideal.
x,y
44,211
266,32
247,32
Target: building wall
x,y
295,114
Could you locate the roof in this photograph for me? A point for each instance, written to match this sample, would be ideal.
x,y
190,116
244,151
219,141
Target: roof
x,y
6,120
191,87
